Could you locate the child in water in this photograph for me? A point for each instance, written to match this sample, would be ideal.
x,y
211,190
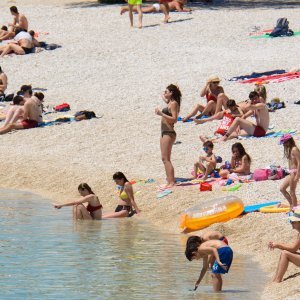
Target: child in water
x,y
292,153
196,248
207,163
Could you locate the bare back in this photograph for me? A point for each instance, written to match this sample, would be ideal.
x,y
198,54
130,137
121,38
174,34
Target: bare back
x,y
211,235
33,109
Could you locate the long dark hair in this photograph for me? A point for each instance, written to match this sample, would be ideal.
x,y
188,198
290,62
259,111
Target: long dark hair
x,y
176,93
1,70
288,147
85,186
241,150
119,176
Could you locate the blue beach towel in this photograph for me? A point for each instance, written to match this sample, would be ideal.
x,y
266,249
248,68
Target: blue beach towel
x,y
272,134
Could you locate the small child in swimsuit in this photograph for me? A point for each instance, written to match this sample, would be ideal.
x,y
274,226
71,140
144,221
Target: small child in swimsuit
x,y
209,160
292,153
197,249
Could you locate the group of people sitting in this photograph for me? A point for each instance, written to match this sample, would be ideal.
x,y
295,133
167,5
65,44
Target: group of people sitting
x,y
15,37
234,116
25,111
88,206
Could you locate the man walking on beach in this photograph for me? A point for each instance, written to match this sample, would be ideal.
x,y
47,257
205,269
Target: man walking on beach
x,y
247,128
32,115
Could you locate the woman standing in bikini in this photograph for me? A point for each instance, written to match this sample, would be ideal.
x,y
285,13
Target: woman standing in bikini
x,y
3,82
292,153
93,210
172,96
127,202
215,99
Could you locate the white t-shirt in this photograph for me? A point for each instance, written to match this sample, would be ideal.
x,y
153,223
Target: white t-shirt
x,y
23,35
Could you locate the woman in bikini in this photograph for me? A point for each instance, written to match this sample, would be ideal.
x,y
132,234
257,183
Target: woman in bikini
x,y
3,82
169,116
292,153
93,210
240,162
127,202
215,98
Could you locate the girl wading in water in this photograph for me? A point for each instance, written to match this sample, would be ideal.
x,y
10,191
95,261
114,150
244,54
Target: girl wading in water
x,y
93,210
126,202
169,114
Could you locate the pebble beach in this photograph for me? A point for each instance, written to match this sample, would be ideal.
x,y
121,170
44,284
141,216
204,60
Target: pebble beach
x,y
120,74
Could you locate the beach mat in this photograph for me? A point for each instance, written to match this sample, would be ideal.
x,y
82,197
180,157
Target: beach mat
x,y
257,75
272,134
266,36
276,78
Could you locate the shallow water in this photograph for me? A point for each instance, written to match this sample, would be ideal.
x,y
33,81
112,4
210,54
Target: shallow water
x,y
45,255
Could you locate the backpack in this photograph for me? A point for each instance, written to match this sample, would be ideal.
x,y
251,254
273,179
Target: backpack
x,y
62,107
281,28
260,174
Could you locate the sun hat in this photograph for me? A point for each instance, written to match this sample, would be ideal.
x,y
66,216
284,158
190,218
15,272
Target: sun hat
x,y
295,217
285,138
213,78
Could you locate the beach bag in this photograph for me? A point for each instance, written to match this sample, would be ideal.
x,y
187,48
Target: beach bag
x,y
281,28
205,186
88,114
275,173
62,107
260,174
225,124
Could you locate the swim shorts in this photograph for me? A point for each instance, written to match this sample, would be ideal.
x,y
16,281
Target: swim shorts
x,y
224,239
259,131
156,6
226,256
135,2
27,124
27,50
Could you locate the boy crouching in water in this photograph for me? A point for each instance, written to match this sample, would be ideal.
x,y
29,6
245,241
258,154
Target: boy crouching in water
x,y
197,249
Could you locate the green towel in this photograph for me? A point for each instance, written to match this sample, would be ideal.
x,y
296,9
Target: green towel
x,y
266,36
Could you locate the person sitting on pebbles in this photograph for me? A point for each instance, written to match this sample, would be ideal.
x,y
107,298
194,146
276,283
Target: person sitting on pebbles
x,y
215,98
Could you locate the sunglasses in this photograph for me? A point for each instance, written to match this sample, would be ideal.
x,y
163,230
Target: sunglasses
x,y
205,148
215,82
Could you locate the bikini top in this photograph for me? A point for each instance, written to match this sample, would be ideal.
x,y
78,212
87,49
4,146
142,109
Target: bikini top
x,y
210,96
123,195
165,110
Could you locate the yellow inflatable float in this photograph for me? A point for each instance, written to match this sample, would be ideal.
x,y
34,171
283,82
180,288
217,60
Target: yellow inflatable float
x,y
208,213
274,209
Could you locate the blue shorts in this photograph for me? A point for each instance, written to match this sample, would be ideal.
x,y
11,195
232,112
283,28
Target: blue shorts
x,y
226,256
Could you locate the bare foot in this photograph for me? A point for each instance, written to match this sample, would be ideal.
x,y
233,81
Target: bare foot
x,y
170,185
166,19
202,138
140,26
123,10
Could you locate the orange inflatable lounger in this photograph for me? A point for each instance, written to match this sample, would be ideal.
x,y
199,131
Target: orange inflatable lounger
x,y
214,211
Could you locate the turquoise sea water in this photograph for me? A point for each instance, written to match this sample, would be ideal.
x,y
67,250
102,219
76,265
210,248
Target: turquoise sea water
x,y
45,255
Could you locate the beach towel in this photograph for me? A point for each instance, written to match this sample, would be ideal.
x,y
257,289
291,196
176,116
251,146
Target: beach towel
x,y
260,32
257,75
272,134
273,78
267,36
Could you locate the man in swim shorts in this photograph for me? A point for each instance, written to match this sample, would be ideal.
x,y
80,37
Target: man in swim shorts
x,y
259,111
138,4
197,249
32,115
175,5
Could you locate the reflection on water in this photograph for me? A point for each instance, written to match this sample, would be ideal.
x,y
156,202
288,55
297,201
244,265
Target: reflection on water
x,y
44,255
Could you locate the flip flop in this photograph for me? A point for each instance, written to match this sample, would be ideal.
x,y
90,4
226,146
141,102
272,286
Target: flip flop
x,y
164,193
